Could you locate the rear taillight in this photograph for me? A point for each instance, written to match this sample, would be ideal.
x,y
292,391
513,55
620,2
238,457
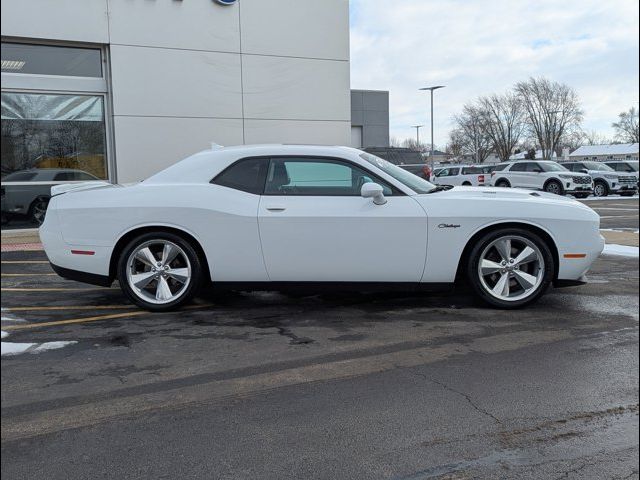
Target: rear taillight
x,y
481,178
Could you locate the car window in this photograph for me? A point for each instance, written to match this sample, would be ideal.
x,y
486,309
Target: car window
x,y
519,167
533,167
454,171
318,177
19,177
84,176
472,170
64,176
498,168
408,179
551,167
247,175
574,167
598,166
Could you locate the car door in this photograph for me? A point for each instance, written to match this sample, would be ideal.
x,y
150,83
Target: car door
x,y
315,226
518,175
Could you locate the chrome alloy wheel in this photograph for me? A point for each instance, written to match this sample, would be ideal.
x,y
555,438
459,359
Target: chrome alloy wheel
x,y
158,271
599,190
511,268
554,187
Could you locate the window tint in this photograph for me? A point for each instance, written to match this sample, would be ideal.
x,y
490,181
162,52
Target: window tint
x,y
533,167
51,60
519,167
72,175
247,175
497,168
19,177
472,170
321,177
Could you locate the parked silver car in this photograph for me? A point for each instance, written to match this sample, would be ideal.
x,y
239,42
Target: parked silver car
x,y
26,193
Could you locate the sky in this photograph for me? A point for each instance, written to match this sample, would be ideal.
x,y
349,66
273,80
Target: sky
x,y
480,47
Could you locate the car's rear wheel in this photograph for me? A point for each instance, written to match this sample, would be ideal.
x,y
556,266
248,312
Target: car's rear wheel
x,y
600,189
38,210
159,271
503,184
555,187
510,268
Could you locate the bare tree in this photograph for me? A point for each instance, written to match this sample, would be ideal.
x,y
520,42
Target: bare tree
x,y
552,111
626,127
504,120
593,137
471,134
412,144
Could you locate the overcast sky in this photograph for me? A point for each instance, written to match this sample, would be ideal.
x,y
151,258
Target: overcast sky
x,y
485,46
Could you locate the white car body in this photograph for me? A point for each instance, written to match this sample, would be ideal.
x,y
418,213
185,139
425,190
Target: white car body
x,y
611,182
533,174
461,175
246,237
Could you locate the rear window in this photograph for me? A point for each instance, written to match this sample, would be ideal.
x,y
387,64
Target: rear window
x,y
497,168
246,175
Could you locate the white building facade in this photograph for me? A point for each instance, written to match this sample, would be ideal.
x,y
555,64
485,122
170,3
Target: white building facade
x,y
123,88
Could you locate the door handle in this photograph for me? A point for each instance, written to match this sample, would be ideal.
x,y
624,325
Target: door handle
x,y
276,209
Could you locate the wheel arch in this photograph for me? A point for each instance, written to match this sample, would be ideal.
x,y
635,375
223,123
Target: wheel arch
x,y
553,180
131,234
502,179
541,232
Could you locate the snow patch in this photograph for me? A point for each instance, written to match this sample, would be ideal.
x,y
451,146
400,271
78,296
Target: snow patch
x,y
620,250
9,348
4,334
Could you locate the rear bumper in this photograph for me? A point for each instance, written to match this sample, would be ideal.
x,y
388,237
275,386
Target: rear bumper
x,y
84,277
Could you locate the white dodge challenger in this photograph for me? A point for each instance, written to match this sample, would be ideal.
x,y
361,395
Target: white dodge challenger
x,y
275,216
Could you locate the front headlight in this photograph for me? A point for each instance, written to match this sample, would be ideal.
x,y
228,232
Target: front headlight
x,y
565,176
611,177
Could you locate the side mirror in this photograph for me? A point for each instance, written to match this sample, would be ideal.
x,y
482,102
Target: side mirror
x,y
584,170
375,191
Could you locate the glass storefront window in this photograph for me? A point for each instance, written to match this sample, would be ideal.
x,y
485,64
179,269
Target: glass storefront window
x,y
51,60
47,139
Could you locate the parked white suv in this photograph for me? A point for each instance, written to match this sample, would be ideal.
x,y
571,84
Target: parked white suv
x,y
456,175
605,179
542,175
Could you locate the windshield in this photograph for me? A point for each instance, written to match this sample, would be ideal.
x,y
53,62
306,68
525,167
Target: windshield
x,y
412,181
553,167
633,165
600,167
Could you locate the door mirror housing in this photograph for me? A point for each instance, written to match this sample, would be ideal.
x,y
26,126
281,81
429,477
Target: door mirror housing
x,y
584,170
374,191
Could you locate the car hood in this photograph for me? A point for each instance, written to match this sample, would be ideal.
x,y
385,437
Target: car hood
x,y
507,194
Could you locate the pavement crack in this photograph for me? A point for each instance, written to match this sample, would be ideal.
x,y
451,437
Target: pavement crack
x,y
467,397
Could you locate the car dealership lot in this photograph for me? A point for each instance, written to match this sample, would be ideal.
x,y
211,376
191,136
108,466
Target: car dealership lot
x,y
266,385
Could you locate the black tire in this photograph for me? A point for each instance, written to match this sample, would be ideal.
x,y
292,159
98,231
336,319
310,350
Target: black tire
x,y
503,183
466,184
473,276
554,186
195,281
600,189
628,194
581,195
38,209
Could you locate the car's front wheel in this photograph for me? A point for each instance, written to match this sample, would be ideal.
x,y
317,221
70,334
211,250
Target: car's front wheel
x,y
159,271
510,268
555,187
600,189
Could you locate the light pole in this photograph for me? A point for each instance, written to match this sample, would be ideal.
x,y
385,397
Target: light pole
x,y
417,127
431,89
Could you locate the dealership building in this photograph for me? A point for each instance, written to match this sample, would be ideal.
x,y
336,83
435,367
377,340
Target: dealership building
x,y
119,89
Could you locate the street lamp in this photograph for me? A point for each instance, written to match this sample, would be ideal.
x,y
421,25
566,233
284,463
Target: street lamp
x,y
431,89
417,127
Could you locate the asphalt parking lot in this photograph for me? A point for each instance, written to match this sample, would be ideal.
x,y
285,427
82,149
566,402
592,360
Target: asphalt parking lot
x,y
266,385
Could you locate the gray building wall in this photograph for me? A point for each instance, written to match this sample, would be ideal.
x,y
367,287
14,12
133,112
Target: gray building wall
x,y
370,115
